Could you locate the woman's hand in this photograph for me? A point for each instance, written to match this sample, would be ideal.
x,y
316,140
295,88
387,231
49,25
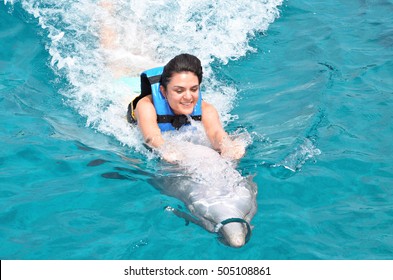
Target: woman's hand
x,y
232,149
219,139
170,153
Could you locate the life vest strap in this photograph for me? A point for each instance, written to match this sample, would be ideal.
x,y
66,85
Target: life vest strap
x,y
177,121
154,79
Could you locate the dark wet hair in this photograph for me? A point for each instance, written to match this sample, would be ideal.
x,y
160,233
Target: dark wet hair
x,y
181,63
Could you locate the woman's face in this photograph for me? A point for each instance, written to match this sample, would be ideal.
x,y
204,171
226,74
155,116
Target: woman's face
x,y
182,92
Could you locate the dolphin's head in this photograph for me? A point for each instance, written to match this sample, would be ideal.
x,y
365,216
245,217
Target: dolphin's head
x,y
235,232
219,198
234,235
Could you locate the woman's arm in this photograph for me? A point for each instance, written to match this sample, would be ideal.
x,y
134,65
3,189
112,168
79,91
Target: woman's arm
x,y
147,121
146,116
219,139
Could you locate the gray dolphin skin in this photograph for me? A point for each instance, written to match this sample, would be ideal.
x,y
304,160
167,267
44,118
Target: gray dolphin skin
x,y
218,197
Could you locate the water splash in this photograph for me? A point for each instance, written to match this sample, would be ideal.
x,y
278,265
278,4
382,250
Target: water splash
x,y
149,33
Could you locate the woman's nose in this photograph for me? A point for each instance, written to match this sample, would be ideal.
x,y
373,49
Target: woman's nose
x,y
187,94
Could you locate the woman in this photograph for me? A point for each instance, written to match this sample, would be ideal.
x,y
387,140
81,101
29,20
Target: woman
x,y
169,100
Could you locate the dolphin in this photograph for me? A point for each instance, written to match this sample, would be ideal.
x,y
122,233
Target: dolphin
x,y
217,196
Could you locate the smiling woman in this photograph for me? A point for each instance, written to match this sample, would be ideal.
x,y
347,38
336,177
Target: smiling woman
x,y
170,98
183,93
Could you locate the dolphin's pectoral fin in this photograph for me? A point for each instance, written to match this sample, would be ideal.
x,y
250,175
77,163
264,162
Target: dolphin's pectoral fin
x,y
186,216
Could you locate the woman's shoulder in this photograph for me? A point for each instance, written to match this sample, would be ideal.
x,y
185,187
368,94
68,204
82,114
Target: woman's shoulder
x,y
145,107
208,109
145,101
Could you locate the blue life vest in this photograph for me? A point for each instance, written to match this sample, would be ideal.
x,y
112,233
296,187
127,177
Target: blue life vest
x,y
166,119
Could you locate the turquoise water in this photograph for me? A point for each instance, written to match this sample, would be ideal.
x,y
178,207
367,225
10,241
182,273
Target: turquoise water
x,y
311,85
